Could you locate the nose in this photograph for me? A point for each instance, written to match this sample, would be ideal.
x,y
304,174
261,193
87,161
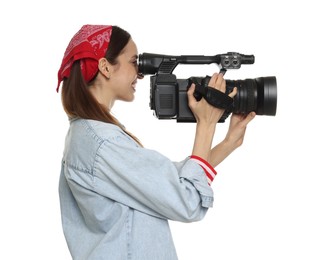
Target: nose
x,y
140,76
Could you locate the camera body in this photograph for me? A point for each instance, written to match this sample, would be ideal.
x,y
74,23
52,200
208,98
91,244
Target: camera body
x,y
168,95
168,98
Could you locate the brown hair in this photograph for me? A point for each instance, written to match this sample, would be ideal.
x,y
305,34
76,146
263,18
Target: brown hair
x,y
76,98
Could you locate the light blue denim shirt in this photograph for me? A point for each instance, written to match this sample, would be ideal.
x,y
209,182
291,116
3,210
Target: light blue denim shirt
x,y
116,197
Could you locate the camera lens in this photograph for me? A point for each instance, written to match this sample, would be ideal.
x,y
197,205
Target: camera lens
x,y
259,95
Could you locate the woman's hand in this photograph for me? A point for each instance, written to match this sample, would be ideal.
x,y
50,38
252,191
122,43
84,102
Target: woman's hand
x,y
234,138
237,127
202,110
206,116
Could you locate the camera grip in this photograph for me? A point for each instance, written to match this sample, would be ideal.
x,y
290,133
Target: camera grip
x,y
219,99
215,97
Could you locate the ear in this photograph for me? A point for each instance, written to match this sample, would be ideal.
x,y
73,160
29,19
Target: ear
x,y
104,67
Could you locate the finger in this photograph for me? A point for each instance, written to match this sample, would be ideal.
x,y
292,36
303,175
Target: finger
x,y
220,78
233,93
222,82
190,93
249,118
213,80
191,90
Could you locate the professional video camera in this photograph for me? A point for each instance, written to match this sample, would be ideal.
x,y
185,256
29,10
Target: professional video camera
x,y
168,95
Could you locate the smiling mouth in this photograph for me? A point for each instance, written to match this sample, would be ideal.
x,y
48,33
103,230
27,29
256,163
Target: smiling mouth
x,y
133,85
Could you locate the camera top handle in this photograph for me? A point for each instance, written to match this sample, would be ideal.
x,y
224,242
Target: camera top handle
x,y
151,63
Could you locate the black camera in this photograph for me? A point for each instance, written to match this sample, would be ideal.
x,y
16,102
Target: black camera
x,y
168,95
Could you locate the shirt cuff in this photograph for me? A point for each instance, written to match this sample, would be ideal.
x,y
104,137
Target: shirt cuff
x,y
208,169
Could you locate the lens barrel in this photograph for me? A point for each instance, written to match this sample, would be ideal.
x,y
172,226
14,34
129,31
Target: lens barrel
x,y
259,95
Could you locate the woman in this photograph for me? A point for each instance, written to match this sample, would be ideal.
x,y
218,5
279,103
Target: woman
x,y
117,196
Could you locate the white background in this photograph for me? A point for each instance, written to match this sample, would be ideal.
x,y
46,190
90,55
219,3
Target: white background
x,y
261,208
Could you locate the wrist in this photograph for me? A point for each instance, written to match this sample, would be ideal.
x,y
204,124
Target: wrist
x,y
205,125
229,144
203,139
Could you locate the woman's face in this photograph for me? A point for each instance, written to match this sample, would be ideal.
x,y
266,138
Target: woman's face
x,y
124,74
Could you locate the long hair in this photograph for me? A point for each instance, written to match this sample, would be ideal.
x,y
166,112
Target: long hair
x,y
77,100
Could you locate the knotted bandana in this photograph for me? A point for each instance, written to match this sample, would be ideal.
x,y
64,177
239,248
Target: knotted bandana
x,y
88,45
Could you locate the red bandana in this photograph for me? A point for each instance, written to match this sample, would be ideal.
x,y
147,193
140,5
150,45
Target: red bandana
x,y
89,45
